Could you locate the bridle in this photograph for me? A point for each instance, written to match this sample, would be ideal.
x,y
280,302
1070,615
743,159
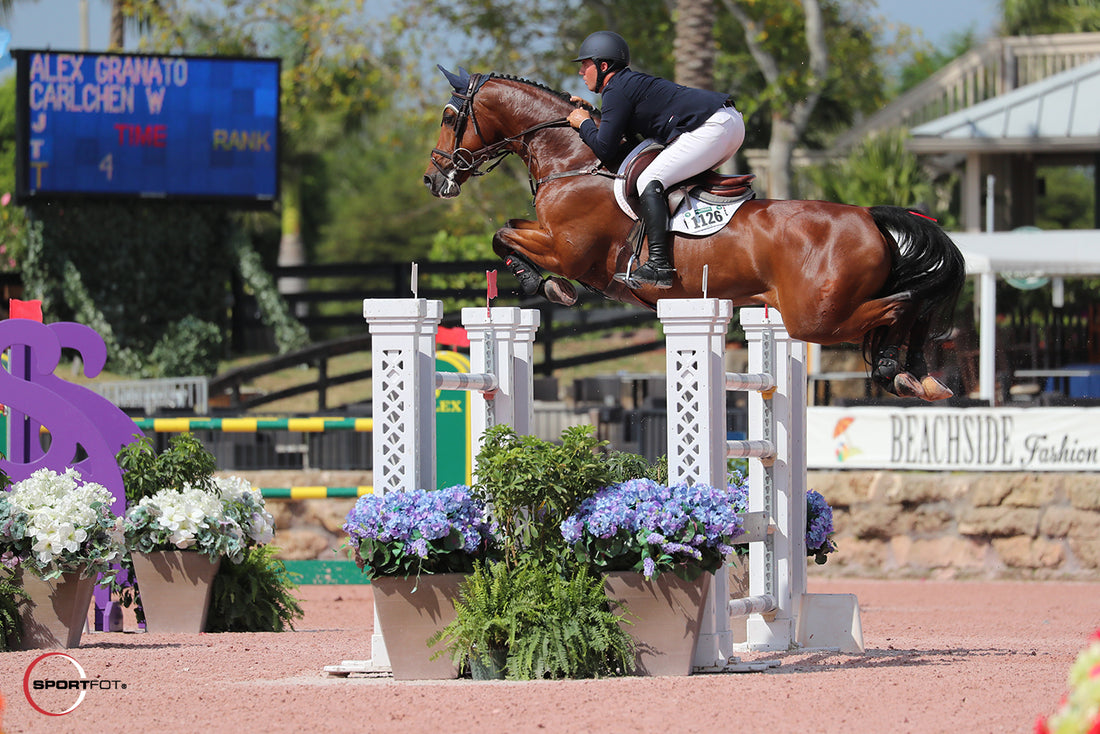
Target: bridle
x,y
465,160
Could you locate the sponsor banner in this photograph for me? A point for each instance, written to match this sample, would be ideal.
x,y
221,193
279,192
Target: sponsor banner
x,y
952,439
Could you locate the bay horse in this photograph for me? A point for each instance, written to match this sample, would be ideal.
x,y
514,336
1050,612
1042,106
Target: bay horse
x,y
884,275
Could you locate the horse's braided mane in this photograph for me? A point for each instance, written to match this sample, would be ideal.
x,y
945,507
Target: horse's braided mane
x,y
539,85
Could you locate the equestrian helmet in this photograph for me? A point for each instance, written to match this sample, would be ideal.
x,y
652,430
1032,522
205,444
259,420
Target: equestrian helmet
x,y
605,46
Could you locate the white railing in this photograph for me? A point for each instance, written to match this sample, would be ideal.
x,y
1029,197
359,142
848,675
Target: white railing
x,y
997,67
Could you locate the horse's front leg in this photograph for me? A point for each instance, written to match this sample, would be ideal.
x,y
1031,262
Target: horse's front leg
x,y
526,248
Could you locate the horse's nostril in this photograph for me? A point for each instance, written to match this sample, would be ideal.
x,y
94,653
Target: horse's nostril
x,y
428,181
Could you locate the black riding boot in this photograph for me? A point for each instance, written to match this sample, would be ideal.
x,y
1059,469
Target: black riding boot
x,y
657,270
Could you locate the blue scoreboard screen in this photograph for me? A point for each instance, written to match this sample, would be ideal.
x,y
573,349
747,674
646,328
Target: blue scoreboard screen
x,y
126,125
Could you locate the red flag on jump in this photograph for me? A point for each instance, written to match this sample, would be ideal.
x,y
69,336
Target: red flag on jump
x,y
491,277
25,309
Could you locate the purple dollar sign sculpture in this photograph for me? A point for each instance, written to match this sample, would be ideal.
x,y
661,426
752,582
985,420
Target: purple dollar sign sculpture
x,y
73,415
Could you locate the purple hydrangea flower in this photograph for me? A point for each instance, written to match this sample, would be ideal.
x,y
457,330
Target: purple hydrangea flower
x,y
653,523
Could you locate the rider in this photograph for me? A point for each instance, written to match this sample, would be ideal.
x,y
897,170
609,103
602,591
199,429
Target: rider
x,y
701,130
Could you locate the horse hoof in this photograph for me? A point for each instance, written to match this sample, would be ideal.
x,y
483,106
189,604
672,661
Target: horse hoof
x,y
560,291
906,386
934,389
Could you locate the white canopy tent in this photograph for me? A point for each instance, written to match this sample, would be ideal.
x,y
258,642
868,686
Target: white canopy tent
x,y
1060,253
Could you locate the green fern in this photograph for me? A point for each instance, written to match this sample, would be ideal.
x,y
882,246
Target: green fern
x,y
254,595
11,629
552,626
564,628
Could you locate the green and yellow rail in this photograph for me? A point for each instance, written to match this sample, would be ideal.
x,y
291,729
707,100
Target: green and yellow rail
x,y
252,425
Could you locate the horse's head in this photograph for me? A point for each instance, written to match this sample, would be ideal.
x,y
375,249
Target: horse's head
x,y
479,129
459,150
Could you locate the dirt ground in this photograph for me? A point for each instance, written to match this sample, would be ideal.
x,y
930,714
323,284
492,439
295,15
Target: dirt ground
x,y
941,656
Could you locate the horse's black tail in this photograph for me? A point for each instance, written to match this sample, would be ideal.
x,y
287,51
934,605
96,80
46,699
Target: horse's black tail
x,y
928,265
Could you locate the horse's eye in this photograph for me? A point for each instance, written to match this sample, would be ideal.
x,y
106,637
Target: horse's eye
x,y
448,119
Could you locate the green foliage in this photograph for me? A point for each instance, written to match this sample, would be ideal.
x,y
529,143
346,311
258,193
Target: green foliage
x,y
379,209
145,472
130,270
925,60
11,628
532,485
880,170
854,83
483,613
447,247
255,595
1035,17
552,626
624,465
538,603
566,629
13,223
1068,201
189,347
289,332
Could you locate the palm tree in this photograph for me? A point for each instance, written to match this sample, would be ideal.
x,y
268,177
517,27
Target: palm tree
x,y
694,47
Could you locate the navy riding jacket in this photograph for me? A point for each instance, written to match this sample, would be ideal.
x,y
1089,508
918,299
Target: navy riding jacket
x,y
647,106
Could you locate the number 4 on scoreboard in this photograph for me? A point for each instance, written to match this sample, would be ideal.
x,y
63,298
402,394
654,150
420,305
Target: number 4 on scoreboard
x,y
107,165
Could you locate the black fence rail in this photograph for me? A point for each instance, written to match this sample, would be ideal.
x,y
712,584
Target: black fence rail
x,y
330,292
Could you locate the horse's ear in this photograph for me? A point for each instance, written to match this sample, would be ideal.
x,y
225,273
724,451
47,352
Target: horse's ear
x,y
459,81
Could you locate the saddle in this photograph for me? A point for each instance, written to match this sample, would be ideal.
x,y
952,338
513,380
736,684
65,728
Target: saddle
x,y
700,205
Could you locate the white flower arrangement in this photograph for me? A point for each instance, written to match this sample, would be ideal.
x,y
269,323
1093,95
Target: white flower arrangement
x,y
221,523
54,523
246,503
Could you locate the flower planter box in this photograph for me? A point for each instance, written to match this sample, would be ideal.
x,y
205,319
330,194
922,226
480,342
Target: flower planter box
x,y
55,611
175,589
410,611
666,612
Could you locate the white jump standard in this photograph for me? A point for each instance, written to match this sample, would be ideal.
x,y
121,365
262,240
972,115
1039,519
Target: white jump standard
x,y
404,381
781,615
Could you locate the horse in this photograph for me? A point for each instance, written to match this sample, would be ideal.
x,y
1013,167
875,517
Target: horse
x,y
884,276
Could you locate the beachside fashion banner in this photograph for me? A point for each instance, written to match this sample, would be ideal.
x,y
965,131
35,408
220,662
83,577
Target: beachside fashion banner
x,y
936,439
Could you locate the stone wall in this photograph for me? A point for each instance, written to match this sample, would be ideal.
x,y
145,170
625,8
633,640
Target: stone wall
x,y
912,524
960,525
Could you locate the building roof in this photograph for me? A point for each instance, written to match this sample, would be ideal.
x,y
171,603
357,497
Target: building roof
x,y
1059,113
1067,252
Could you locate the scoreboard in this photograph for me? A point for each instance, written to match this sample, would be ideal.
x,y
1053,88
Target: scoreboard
x,y
143,126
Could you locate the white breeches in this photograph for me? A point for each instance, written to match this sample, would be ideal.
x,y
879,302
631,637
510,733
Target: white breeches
x,y
707,146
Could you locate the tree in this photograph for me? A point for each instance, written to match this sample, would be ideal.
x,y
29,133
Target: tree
x,y
794,88
881,170
1035,17
332,79
695,48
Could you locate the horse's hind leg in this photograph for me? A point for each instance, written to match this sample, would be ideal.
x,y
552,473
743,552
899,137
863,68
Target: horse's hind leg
x,y
931,388
887,371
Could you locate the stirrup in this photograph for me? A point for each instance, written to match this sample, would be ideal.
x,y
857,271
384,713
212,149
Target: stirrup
x,y
648,274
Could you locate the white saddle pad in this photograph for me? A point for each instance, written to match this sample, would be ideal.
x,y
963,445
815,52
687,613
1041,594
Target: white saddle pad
x,y
693,216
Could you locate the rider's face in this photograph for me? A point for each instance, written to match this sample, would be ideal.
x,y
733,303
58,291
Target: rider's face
x,y
588,72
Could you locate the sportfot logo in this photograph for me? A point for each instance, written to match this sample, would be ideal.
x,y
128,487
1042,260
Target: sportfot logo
x,y
55,684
